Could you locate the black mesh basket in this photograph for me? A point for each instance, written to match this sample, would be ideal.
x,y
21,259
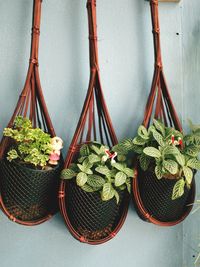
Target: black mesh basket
x,y
28,194
156,197
89,215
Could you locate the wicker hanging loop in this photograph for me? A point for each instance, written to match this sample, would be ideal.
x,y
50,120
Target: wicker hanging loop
x,y
159,100
94,124
30,104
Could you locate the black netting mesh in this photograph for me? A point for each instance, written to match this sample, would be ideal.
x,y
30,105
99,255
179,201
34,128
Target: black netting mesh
x,y
91,217
156,196
28,194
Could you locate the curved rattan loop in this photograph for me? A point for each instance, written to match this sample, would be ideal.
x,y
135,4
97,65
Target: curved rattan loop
x,y
159,100
94,124
31,104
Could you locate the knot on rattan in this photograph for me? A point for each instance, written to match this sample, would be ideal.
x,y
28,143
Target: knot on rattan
x,y
82,239
72,149
36,30
156,30
159,65
61,194
154,2
94,69
147,215
12,218
34,61
23,95
93,37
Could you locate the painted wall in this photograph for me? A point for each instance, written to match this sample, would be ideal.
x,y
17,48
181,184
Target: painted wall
x,y
126,59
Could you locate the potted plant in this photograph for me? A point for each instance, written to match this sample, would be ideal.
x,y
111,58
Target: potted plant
x,y
167,161
99,178
29,171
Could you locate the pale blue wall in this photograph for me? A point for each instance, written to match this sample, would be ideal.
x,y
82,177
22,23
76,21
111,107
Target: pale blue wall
x,y
126,59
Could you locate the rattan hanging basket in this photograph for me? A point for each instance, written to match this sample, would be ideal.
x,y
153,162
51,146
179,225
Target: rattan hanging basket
x,y
29,196
88,218
152,197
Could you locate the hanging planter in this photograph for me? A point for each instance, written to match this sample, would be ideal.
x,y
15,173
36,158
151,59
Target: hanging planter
x,y
97,189
93,205
30,153
164,186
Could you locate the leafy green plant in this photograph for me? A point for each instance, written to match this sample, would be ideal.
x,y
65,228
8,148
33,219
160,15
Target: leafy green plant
x,y
173,154
31,146
96,171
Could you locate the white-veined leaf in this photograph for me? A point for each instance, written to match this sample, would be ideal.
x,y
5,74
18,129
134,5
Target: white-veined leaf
x,y
181,159
152,152
178,189
68,174
93,158
103,170
188,174
88,188
158,137
118,166
194,163
116,196
81,178
108,192
159,126
139,141
120,178
95,181
158,172
144,161
171,166
129,172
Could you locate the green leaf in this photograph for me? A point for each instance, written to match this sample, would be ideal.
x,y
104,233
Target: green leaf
x,y
138,149
158,137
81,159
12,154
181,159
129,172
171,166
171,150
118,166
81,178
144,161
93,158
84,151
159,126
95,181
194,163
120,178
108,192
192,151
142,132
85,167
152,152
88,188
178,189
81,167
103,170
128,184
121,158
96,149
127,144
68,174
87,164
188,174
116,196
158,172
139,141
